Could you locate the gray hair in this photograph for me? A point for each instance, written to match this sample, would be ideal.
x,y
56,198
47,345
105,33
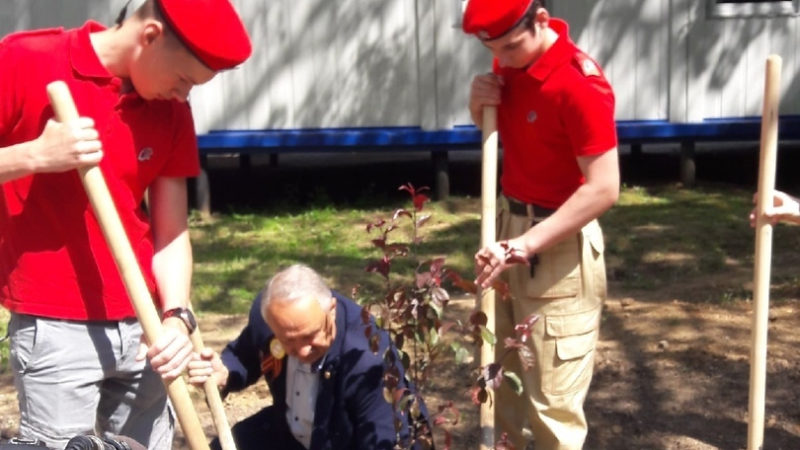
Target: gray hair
x,y
296,282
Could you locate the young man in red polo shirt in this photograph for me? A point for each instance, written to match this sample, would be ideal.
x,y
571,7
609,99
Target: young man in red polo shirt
x,y
559,174
75,341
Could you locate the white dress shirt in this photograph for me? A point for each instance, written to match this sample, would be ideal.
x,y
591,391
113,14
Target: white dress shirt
x,y
302,386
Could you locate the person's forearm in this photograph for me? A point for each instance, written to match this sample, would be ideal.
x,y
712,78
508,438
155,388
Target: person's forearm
x,y
60,147
172,268
16,162
586,204
795,216
172,261
598,193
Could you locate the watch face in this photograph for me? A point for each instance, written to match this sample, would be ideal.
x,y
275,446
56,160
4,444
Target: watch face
x,y
185,315
188,317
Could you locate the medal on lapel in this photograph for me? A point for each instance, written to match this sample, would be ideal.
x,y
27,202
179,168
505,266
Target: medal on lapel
x,y
272,365
276,349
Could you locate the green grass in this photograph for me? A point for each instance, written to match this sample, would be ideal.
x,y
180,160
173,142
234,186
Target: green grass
x,y
662,242
670,239
236,253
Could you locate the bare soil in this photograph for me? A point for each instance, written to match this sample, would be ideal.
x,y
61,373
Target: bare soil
x,y
669,375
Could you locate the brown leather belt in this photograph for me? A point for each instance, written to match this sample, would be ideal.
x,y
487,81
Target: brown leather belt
x,y
518,208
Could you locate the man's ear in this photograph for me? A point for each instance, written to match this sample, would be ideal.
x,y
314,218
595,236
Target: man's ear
x,y
151,31
541,18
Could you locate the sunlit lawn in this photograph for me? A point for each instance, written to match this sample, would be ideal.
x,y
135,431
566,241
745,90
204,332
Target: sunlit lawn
x,y
235,254
666,236
655,237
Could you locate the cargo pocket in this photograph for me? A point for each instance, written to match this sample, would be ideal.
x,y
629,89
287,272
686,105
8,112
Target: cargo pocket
x,y
594,234
570,340
594,270
557,273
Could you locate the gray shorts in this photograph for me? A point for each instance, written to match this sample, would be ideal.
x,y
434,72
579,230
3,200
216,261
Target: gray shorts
x,y
77,378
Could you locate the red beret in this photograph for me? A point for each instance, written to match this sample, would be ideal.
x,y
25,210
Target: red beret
x,y
490,19
211,29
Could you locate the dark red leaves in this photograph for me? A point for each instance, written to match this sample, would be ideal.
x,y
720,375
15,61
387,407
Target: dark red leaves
x,y
380,266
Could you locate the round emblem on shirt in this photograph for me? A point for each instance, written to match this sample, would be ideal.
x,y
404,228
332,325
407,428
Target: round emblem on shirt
x,y
590,68
145,154
532,116
276,349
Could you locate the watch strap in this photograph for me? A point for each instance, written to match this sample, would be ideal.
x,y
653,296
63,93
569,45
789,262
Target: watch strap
x,y
185,314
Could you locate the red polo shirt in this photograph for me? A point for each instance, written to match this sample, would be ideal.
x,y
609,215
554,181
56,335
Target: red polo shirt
x,y
54,261
557,109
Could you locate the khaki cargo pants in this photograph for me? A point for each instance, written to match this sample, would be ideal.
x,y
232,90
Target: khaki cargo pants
x,y
567,291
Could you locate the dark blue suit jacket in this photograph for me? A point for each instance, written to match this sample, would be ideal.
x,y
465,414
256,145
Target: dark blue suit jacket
x,y
351,412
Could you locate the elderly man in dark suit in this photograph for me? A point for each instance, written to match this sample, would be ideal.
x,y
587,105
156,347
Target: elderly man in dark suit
x,y
327,384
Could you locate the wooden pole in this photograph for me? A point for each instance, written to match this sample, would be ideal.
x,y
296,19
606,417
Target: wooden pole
x,y
215,401
110,223
763,253
488,236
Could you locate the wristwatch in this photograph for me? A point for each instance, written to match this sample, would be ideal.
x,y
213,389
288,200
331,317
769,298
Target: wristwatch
x,y
185,314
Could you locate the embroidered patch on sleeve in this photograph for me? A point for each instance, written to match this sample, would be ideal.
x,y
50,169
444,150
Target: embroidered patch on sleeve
x,y
588,66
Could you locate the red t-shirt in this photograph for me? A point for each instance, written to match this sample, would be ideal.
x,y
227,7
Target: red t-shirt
x,y
54,261
559,108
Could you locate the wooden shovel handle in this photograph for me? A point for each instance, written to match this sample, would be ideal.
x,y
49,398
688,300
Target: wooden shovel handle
x,y
763,253
110,223
488,236
215,402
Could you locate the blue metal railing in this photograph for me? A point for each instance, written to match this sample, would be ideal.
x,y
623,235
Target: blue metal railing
x,y
467,136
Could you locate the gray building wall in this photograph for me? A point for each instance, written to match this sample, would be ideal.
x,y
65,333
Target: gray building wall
x,y
322,63
687,60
